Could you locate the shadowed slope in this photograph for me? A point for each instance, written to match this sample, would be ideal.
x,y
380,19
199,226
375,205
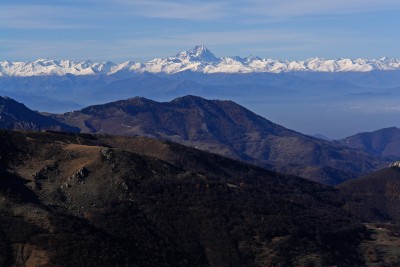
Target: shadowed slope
x,y
101,205
376,196
14,115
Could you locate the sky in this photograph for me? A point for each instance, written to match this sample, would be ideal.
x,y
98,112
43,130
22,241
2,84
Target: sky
x,y
139,30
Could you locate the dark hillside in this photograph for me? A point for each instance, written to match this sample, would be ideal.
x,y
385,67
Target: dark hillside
x,y
375,197
82,200
14,115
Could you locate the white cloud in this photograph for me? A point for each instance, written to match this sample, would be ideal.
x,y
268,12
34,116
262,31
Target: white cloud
x,y
167,44
239,37
289,8
32,49
218,42
142,28
60,16
91,14
45,17
142,46
189,10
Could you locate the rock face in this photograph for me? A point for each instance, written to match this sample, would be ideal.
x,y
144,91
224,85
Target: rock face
x,y
228,129
145,202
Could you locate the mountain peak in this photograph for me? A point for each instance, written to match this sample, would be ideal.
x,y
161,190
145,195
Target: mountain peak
x,y
198,53
200,49
189,100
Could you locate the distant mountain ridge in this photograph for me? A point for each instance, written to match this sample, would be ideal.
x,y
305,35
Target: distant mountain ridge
x,y
217,126
199,59
228,129
16,116
383,142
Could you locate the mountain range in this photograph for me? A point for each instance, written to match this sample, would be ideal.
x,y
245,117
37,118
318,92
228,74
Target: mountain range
x,y
191,181
199,59
228,129
290,96
78,199
221,127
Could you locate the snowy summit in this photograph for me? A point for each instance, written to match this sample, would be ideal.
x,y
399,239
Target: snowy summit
x,y
199,59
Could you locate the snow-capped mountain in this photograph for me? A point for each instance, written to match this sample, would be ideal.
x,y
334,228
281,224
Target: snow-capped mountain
x,y
199,59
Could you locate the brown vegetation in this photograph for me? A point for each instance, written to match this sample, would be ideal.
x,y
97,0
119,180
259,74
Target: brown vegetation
x,y
84,200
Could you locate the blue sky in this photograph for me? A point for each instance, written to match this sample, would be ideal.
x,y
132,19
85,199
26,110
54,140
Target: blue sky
x,y
139,30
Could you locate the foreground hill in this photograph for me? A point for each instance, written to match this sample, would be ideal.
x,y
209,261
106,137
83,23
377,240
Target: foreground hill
x,y
229,129
14,115
79,200
376,196
384,142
